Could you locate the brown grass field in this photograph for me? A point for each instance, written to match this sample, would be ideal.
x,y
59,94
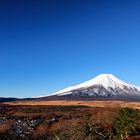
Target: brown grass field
x,y
103,104
72,117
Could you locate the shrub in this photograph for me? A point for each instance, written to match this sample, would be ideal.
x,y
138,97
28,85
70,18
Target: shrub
x,y
127,123
97,132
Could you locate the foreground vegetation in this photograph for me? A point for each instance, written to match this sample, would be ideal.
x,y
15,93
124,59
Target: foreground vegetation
x,y
68,123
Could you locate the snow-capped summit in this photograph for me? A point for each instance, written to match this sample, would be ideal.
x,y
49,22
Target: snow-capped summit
x,y
102,85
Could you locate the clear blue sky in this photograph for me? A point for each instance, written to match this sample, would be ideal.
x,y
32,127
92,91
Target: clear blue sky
x,y
47,45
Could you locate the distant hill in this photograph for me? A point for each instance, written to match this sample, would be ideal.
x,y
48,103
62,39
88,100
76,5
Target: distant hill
x,y
2,99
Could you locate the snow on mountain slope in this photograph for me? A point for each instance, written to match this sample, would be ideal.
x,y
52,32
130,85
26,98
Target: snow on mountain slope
x,y
101,85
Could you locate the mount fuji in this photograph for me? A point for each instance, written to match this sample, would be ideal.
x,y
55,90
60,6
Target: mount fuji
x,y
103,85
